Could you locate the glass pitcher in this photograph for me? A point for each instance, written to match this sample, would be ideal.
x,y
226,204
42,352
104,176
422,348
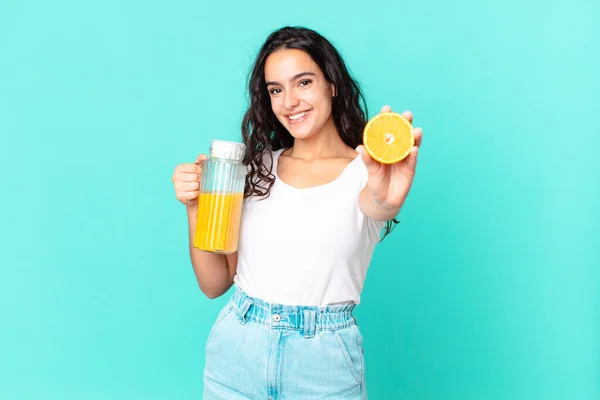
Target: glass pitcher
x,y
220,199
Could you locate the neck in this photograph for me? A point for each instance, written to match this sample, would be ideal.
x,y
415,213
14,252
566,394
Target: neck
x,y
326,143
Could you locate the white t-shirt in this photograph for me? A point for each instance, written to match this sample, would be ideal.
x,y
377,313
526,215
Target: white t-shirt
x,y
307,246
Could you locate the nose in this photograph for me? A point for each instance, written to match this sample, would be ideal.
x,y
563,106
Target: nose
x,y
291,100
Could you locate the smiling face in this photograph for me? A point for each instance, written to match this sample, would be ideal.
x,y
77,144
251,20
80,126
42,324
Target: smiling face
x,y
300,95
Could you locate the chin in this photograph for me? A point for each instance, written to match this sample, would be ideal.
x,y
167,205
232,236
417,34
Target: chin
x,y
298,132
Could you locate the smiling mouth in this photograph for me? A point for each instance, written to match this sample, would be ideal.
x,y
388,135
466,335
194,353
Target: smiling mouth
x,y
297,118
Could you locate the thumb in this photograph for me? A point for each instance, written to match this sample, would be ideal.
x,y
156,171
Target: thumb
x,y
200,158
372,165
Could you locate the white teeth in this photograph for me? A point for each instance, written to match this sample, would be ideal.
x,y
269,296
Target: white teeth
x,y
298,116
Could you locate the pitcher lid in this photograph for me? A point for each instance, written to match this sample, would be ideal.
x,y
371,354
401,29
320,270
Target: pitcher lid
x,y
228,150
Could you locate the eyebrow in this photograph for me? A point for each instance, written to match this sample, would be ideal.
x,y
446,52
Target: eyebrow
x,y
293,78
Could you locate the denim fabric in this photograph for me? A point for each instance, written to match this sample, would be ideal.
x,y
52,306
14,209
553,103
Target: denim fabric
x,y
257,350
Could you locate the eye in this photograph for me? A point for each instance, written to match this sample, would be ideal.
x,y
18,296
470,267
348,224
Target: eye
x,y
305,82
274,91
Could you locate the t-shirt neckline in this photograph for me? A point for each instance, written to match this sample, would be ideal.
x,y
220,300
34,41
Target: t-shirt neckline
x,y
324,185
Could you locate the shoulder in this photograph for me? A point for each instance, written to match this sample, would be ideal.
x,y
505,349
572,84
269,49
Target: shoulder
x,y
359,170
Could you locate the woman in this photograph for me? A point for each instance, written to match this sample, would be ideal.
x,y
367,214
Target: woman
x,y
315,206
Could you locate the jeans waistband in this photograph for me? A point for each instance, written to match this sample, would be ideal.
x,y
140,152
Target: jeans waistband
x,y
307,319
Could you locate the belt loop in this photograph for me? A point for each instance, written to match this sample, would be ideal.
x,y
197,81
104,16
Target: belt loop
x,y
243,309
310,317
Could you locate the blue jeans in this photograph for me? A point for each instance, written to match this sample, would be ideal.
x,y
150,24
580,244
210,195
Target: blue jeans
x,y
257,350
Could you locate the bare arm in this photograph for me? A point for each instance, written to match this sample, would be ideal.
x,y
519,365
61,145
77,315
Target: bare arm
x,y
383,212
214,272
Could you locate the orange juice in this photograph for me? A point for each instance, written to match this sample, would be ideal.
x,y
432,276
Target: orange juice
x,y
217,223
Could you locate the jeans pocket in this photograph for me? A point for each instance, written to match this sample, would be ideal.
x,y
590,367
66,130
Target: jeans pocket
x,y
222,314
350,343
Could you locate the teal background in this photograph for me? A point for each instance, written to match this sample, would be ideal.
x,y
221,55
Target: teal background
x,y
489,287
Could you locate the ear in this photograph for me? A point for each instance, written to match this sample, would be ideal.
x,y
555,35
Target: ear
x,y
333,90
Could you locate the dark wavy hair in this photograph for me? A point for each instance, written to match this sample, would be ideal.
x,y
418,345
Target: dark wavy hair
x,y
262,132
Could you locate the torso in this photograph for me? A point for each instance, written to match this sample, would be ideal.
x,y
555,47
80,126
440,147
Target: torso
x,y
308,243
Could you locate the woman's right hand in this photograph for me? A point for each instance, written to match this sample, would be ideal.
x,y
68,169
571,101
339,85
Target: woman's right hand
x,y
186,180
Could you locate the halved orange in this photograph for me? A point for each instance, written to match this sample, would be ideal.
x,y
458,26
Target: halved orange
x,y
388,137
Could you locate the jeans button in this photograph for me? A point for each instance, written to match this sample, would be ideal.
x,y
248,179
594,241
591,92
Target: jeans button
x,y
276,317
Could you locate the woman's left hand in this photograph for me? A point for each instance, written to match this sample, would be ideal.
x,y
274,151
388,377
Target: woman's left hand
x,y
389,184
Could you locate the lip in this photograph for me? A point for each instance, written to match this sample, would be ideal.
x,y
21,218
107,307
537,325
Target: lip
x,y
297,121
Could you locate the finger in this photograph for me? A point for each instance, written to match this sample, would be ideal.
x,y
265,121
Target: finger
x,y
408,115
411,162
187,186
418,134
385,109
187,177
187,196
189,168
372,165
